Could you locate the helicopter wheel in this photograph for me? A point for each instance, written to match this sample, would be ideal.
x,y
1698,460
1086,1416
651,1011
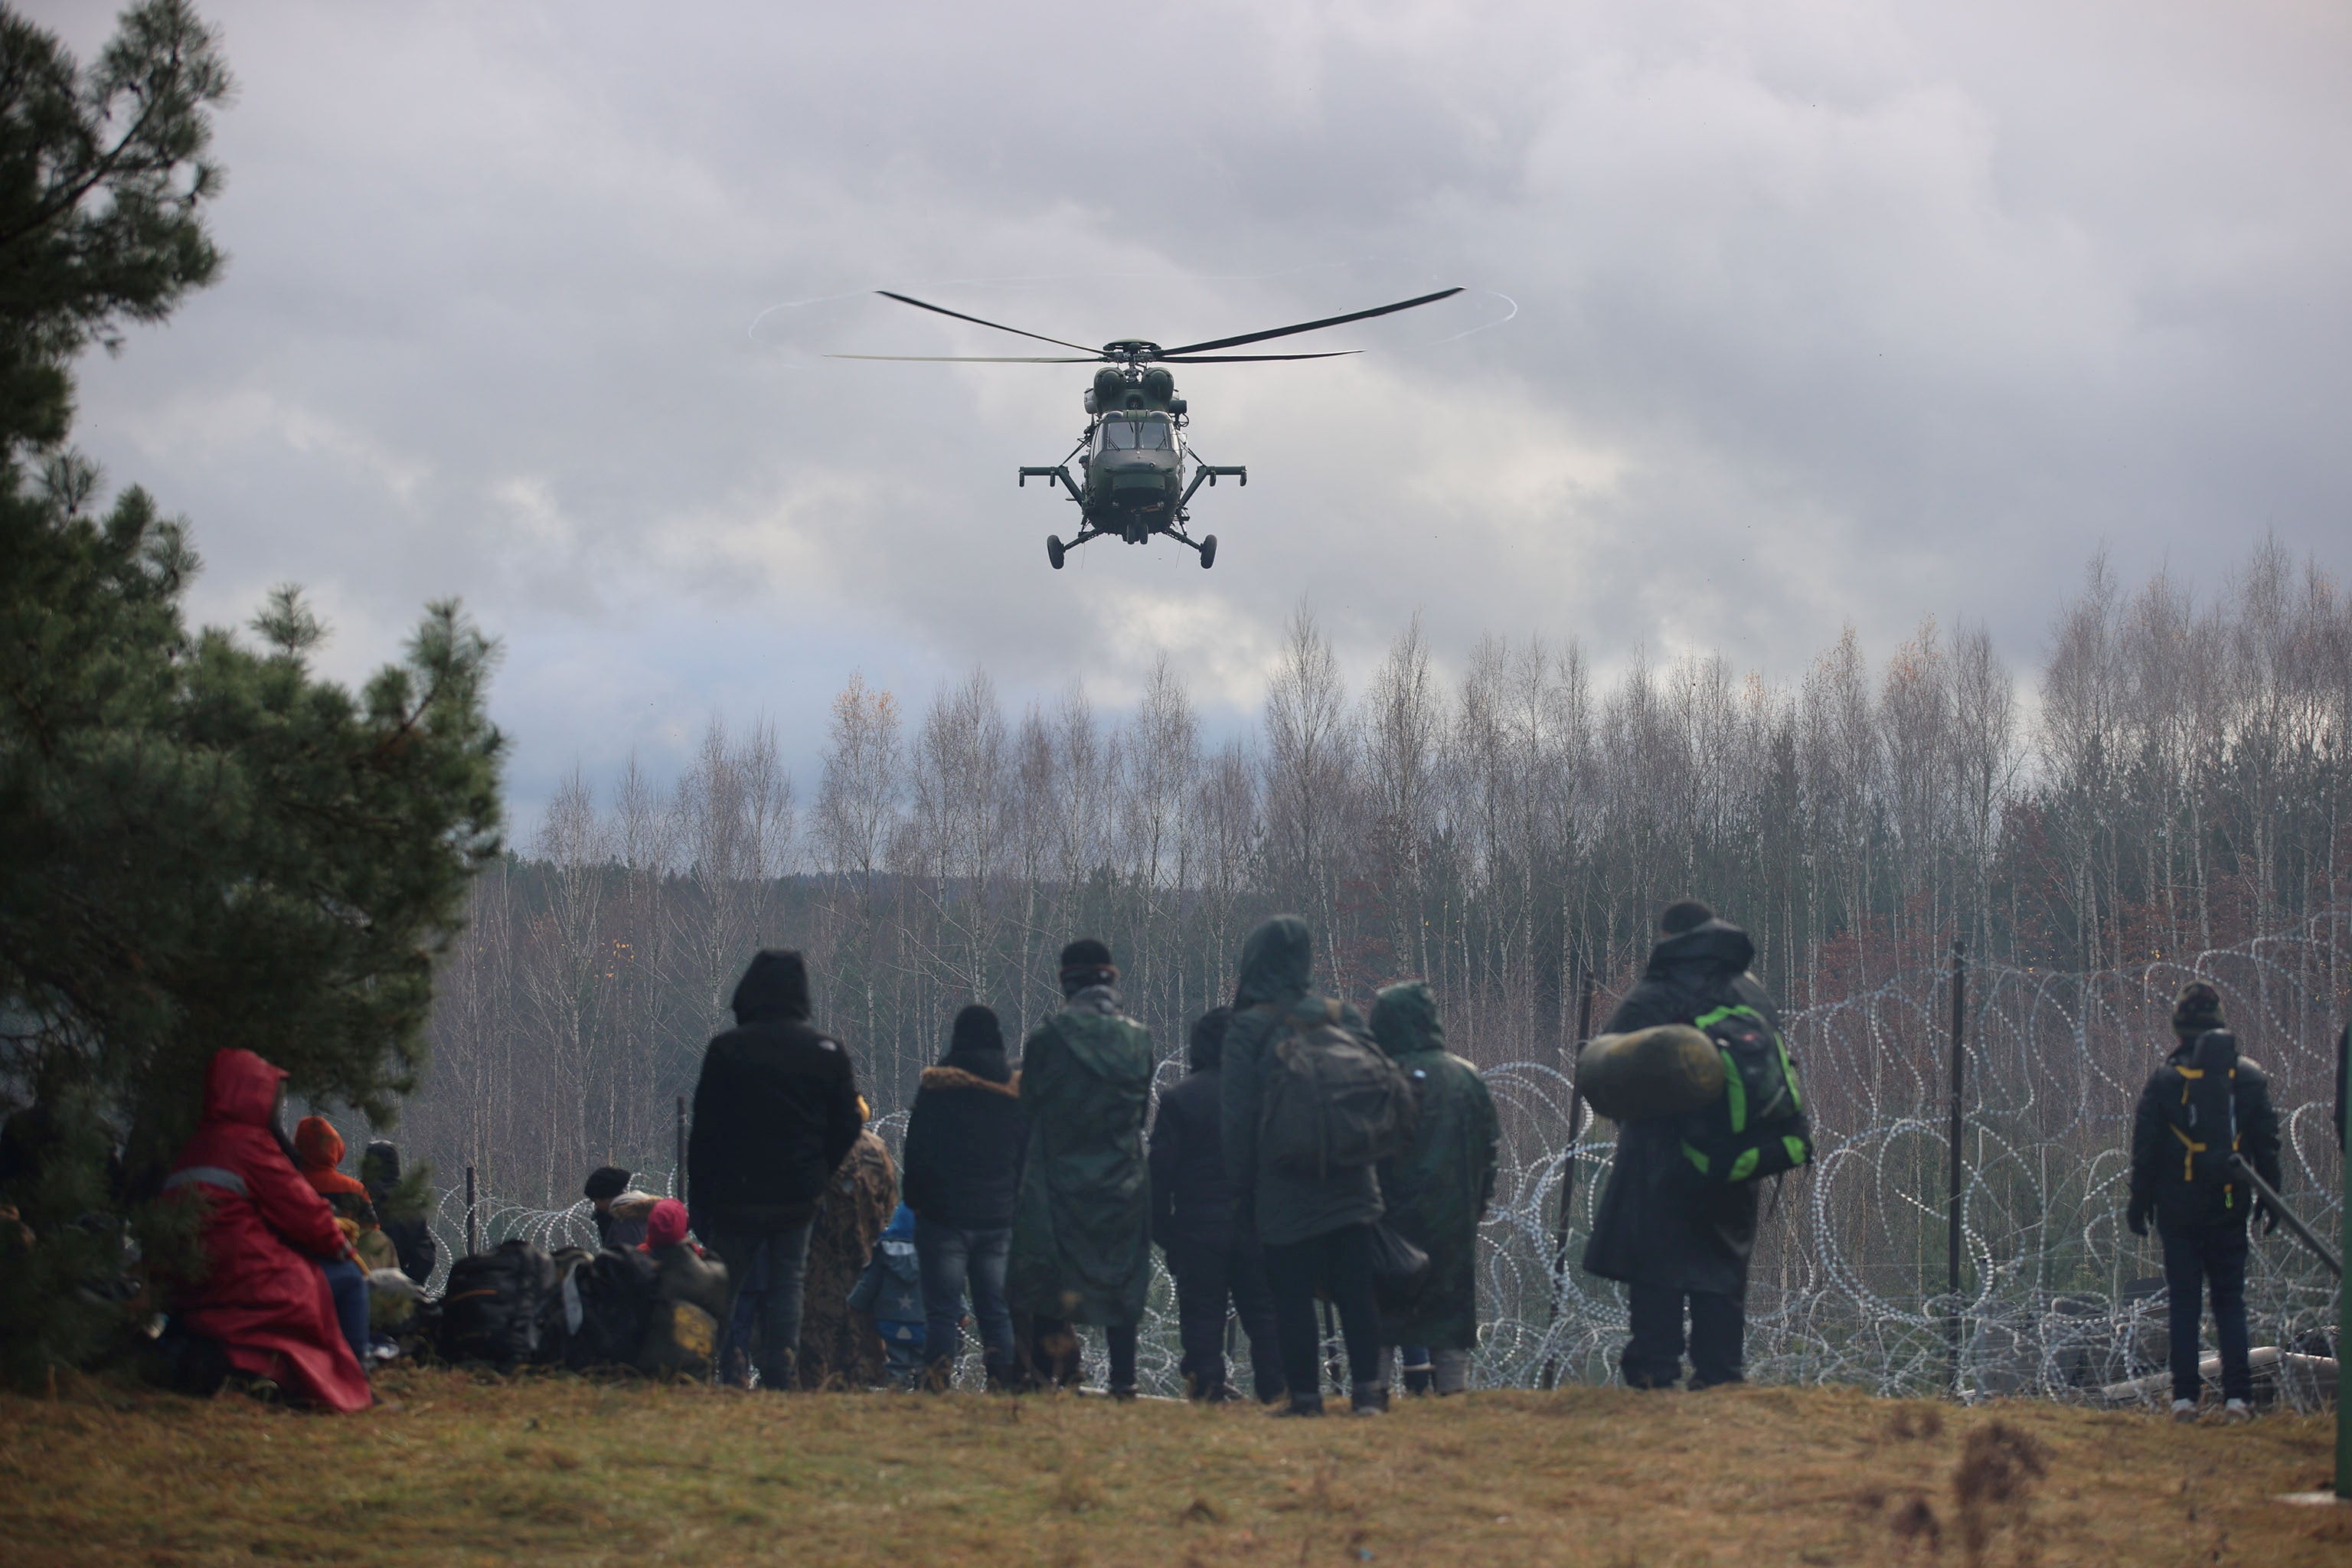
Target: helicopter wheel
x,y
1208,551
1053,548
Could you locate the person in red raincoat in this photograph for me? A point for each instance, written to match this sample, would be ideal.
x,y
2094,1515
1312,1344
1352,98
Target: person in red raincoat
x,y
266,1234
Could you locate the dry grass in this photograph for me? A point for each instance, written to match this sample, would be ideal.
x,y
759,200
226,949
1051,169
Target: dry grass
x,y
453,1469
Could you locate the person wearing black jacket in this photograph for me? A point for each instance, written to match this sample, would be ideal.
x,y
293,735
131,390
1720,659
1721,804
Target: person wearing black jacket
x,y
403,1222
2200,1215
1213,1254
961,1172
1670,1239
775,1111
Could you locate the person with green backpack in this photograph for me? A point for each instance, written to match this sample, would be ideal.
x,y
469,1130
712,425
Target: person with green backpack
x,y
2205,1110
1677,1220
1308,1107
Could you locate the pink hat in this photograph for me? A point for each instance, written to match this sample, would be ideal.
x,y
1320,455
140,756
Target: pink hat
x,y
665,1227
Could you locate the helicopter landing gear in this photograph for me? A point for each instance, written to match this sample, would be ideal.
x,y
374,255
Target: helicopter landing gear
x,y
1208,551
1053,549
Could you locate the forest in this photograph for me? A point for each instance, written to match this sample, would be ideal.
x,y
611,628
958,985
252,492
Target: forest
x,y
2169,781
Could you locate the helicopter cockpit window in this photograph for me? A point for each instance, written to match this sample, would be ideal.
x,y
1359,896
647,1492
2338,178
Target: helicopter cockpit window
x,y
1134,434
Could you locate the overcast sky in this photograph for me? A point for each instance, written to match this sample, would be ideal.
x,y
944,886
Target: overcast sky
x,y
1779,316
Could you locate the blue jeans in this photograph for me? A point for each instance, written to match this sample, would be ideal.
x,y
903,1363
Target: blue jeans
x,y
2208,1258
351,1287
780,1308
952,1257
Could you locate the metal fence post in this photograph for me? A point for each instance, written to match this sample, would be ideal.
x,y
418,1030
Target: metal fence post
x,y
678,1178
1550,1376
1958,1166
2344,1295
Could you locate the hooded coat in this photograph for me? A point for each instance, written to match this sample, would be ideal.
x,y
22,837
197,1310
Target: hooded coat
x,y
1082,1222
1276,961
836,1343
1656,1225
1437,1192
891,1289
265,1233
1192,1195
775,1110
964,1141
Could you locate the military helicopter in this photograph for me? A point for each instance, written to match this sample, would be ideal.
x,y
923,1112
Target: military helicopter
x,y
1132,452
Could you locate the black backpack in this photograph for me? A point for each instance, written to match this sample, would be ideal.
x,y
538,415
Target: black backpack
x,y
607,1302
2203,1117
500,1306
1758,1128
1332,1099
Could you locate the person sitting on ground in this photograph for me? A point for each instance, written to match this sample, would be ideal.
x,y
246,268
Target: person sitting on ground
x,y
320,1149
1213,1254
621,1212
891,1292
2204,1108
689,1298
962,1154
1315,1228
1082,1223
775,1112
1436,1194
400,1209
267,1237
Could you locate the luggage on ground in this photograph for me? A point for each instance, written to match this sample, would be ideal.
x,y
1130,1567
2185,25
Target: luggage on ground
x,y
608,1301
501,1307
681,1339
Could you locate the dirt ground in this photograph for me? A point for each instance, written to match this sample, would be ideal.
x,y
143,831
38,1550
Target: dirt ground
x,y
457,1469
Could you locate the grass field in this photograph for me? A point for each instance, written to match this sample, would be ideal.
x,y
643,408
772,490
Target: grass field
x,y
453,1468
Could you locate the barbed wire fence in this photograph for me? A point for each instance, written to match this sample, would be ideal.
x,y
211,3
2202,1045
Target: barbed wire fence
x,y
1849,1283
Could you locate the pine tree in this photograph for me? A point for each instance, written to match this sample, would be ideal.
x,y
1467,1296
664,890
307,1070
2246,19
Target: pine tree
x,y
202,843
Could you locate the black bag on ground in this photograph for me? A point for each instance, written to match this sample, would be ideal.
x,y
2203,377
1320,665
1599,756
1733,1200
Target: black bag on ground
x,y
1398,1268
608,1300
500,1306
1333,1098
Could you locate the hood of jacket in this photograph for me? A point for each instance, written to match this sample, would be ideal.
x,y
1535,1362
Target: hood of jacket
x,y
317,1142
775,986
1277,963
1405,1018
976,1060
240,1087
1716,945
947,1076
901,1227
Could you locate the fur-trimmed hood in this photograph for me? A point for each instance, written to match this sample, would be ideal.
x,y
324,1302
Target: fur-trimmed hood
x,y
956,1077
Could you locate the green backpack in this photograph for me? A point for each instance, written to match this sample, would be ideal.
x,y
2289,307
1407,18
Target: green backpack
x,y
1758,1128
1333,1098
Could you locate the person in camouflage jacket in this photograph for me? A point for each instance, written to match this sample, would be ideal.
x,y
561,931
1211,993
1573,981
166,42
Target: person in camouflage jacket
x,y
1437,1193
1082,1222
841,1348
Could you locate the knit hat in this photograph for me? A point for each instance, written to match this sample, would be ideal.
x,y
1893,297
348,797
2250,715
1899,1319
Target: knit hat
x,y
1084,963
977,1029
2198,1009
1684,914
667,1226
605,1183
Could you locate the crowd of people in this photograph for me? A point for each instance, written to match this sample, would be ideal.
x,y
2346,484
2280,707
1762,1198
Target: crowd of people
x,y
1312,1156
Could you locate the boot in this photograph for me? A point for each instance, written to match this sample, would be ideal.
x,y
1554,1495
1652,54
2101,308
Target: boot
x,y
1368,1399
1303,1404
1123,1391
1418,1380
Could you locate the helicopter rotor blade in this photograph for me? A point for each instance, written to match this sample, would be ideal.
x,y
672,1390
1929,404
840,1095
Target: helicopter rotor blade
x,y
1017,331
1247,359
975,359
1301,326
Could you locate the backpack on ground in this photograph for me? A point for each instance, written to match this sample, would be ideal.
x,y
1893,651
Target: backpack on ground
x,y
1332,1099
2203,1117
680,1340
608,1300
1757,1127
501,1306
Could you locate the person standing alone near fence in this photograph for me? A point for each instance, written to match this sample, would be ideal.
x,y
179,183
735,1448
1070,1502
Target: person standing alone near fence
x,y
2205,1109
1673,1229
775,1111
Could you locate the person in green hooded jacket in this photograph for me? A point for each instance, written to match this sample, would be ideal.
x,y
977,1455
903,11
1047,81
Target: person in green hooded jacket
x,y
1082,1222
1316,1229
1438,1192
